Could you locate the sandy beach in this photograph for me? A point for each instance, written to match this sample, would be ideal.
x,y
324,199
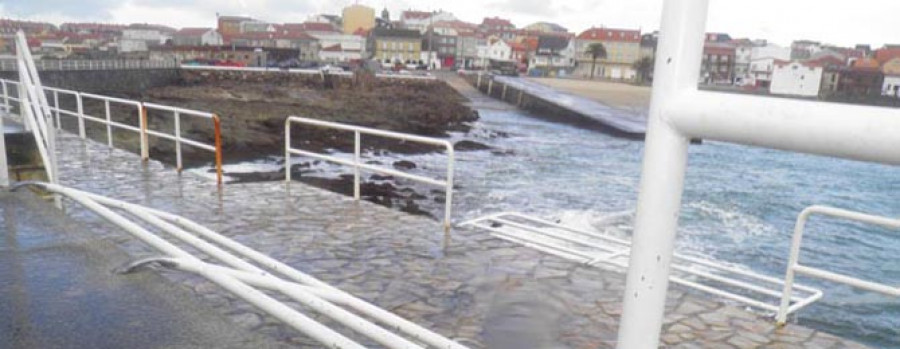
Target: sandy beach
x,y
614,94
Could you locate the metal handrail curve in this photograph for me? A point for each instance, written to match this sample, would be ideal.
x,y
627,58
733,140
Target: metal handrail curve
x,y
357,165
794,267
141,109
245,271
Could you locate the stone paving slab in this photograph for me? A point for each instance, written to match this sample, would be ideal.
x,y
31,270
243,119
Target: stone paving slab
x,y
482,291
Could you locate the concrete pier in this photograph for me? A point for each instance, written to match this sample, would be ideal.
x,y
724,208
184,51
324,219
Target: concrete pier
x,y
482,291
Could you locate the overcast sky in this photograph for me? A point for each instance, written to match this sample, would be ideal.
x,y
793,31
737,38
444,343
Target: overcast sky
x,y
838,22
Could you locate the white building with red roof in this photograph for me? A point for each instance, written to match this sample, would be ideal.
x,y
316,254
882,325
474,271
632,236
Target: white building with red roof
x,y
197,37
623,48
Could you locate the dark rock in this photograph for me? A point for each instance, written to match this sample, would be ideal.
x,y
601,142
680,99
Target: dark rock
x,y
404,165
377,177
468,145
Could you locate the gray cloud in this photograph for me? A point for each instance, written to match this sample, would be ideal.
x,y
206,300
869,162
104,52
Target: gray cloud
x,y
94,9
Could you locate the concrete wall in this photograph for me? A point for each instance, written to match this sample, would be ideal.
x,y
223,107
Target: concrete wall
x,y
110,82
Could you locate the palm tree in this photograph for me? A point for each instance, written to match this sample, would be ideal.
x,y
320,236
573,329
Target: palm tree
x,y
595,51
644,68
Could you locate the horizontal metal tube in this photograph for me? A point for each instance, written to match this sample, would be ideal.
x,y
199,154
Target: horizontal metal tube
x,y
844,279
112,99
371,131
847,131
369,167
183,111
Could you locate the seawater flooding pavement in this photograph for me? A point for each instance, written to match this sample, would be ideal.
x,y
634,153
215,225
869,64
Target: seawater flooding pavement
x,y
483,292
59,290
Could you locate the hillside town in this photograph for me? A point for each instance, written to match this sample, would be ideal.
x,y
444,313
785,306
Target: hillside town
x,y
435,40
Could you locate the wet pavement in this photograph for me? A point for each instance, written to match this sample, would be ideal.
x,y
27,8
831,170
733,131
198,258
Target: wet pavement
x,y
59,290
483,292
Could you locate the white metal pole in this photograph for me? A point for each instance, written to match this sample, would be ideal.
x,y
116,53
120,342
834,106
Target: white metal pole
x,y
109,139
80,103
356,151
781,317
4,166
177,140
287,150
56,105
662,176
5,97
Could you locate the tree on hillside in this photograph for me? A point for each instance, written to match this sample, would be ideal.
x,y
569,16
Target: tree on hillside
x,y
644,69
595,51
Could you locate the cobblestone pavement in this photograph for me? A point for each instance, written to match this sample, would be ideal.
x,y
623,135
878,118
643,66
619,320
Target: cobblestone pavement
x,y
484,292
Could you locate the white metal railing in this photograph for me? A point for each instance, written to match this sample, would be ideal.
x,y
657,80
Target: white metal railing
x,y
66,64
679,112
245,273
303,71
357,164
599,249
140,114
794,267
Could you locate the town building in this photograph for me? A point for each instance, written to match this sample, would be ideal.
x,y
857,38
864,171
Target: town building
x,y
546,28
718,63
862,79
392,46
804,49
499,50
467,49
306,45
554,57
197,37
356,17
796,79
246,56
443,46
339,47
499,27
623,48
833,65
231,25
422,20
9,26
891,84
257,27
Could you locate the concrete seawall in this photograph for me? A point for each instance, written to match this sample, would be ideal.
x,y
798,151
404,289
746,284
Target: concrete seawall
x,y
109,82
569,108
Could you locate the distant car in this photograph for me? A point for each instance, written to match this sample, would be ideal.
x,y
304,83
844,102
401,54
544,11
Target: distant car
x,y
331,69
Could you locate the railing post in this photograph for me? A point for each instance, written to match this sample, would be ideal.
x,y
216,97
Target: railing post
x,y
109,139
356,151
503,95
478,83
218,139
490,86
56,106
448,202
519,103
4,166
80,103
5,96
781,317
145,141
178,141
287,150
662,176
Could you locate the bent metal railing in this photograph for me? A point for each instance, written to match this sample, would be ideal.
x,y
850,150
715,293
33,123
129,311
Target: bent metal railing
x,y
140,113
245,273
596,249
357,164
794,267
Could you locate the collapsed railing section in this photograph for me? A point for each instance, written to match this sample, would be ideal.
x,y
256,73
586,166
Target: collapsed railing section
x,y
598,249
245,272
794,267
357,164
140,110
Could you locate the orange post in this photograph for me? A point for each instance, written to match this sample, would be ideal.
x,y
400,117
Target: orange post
x,y
145,142
218,140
